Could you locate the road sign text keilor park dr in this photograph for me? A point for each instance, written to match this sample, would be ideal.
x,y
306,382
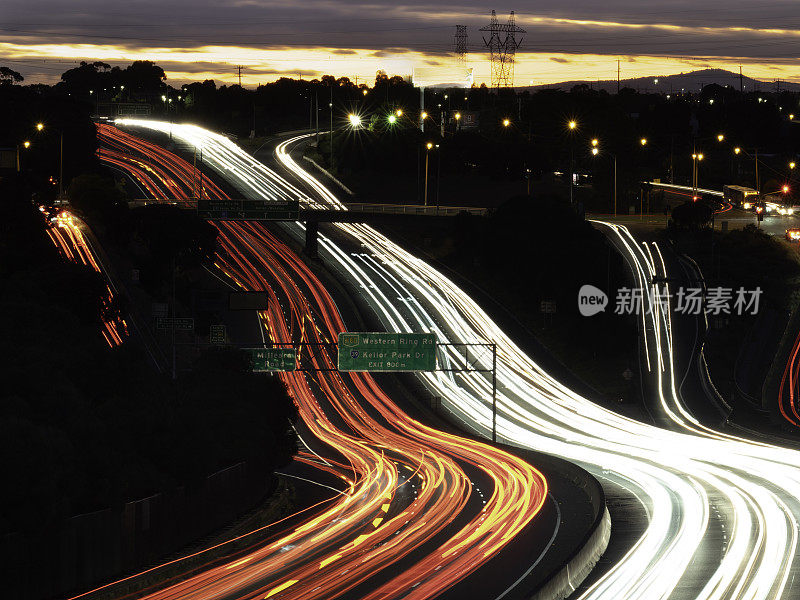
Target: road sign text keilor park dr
x,y
387,352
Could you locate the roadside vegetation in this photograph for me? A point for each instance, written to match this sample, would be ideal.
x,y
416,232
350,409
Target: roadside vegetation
x,y
84,427
747,258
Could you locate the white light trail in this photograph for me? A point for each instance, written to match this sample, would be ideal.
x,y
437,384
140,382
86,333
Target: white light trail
x,y
680,475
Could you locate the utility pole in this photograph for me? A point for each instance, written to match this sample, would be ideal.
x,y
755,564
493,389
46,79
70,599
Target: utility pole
x,y
494,393
239,69
61,166
618,76
741,80
615,185
330,105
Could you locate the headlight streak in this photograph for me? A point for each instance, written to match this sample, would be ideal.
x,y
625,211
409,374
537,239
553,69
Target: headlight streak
x,y
253,258
754,486
71,243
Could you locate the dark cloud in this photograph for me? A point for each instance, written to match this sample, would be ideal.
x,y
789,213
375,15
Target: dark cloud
x,y
385,28
563,61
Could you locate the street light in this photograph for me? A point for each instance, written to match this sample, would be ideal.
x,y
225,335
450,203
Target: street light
x,y
737,150
791,165
571,125
399,112
506,122
392,119
428,147
720,137
423,115
595,152
355,120
39,126
26,143
643,141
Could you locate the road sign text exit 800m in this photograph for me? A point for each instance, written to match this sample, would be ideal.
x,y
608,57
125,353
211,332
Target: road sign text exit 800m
x,y
387,352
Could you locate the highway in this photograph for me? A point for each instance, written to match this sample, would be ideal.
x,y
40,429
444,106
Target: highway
x,y
722,511
66,233
444,504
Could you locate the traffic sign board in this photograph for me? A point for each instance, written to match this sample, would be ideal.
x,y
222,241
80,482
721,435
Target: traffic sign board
x,y
247,210
387,352
179,323
217,335
272,359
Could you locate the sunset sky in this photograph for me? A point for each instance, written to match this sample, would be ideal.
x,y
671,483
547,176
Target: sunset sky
x,y
204,40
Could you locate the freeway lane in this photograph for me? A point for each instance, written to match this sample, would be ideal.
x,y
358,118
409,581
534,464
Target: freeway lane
x,y
506,492
693,481
752,559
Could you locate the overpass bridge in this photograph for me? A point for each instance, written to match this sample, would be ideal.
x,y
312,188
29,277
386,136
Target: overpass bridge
x,y
356,212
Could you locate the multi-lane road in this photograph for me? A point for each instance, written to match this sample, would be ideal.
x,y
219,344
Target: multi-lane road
x,y
722,512
420,510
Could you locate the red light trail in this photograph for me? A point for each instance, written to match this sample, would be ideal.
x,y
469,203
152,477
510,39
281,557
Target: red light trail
x,y
406,483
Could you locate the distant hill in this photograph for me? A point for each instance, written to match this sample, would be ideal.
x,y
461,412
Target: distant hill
x,y
693,81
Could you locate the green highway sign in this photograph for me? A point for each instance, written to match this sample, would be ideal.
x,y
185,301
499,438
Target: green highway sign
x,y
387,352
272,359
178,323
247,210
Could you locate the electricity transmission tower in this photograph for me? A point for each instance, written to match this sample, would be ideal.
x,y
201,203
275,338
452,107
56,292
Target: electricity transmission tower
x,y
460,41
502,44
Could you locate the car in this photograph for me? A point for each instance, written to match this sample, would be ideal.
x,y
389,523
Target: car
x,y
793,234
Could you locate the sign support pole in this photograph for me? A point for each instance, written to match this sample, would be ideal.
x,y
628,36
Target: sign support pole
x,y
494,393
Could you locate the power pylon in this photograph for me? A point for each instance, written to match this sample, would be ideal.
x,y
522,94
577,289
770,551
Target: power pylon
x,y
460,41
502,44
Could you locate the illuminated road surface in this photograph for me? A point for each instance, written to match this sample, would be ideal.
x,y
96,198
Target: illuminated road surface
x,y
690,479
68,236
405,483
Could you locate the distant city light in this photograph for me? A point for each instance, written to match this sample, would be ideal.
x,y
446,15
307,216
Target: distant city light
x,y
27,144
737,150
429,145
643,141
720,137
595,141
572,124
506,122
39,126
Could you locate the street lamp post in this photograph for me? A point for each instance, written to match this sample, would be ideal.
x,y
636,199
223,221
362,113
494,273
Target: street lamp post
x,y
26,144
428,147
595,152
571,126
